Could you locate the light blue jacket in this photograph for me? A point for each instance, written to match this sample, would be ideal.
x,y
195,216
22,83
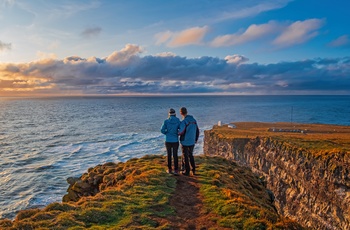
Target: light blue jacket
x,y
189,131
170,128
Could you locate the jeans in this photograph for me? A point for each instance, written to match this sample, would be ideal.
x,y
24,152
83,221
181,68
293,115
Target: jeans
x,y
172,149
187,155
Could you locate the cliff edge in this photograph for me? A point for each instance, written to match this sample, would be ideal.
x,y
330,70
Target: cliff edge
x,y
305,166
139,194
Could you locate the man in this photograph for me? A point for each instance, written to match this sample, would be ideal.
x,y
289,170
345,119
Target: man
x,y
189,134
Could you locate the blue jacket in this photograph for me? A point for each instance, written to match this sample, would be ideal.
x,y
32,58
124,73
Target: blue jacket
x,y
188,131
170,128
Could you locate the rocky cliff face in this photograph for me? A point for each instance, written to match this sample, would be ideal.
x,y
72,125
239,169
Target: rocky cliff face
x,y
312,189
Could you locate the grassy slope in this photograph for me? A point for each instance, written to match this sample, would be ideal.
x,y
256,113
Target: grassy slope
x,y
140,200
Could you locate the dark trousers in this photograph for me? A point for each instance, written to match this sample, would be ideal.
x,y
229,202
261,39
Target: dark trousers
x,y
187,158
172,149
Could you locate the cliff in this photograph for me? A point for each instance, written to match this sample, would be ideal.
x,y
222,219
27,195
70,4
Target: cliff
x,y
305,166
139,194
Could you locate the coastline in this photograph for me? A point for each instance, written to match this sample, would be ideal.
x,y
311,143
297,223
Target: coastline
x,y
246,131
307,172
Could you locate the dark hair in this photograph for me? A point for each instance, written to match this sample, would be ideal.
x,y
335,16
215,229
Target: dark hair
x,y
183,110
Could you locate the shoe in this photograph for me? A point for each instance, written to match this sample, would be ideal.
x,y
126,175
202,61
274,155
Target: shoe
x,y
176,172
185,174
194,173
169,171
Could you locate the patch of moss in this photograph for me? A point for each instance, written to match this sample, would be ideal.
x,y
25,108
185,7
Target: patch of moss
x,y
26,214
66,220
63,207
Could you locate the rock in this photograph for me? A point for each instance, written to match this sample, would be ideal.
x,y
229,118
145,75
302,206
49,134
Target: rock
x,y
95,180
72,180
305,187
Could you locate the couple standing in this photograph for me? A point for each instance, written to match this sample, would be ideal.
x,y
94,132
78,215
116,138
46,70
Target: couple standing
x,y
188,131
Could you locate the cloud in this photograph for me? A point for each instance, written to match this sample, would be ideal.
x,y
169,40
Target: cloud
x,y
126,71
286,34
91,32
253,32
68,9
251,10
342,41
163,37
5,46
299,32
128,52
166,54
236,59
191,36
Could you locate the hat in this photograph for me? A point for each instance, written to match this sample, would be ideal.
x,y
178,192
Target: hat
x,y
172,112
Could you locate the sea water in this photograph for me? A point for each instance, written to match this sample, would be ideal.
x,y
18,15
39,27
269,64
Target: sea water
x,y
43,141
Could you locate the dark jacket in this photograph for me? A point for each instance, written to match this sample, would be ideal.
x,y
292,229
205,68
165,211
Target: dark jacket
x,y
189,131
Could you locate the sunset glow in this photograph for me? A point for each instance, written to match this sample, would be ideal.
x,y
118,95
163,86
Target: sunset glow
x,y
134,47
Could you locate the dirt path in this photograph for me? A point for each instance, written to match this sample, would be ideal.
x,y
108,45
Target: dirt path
x,y
189,206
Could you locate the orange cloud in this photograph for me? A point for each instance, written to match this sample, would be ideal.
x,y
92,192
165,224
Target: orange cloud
x,y
340,42
125,71
17,78
253,32
299,32
125,54
191,36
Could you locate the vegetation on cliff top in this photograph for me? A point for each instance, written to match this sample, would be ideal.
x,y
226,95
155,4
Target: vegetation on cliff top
x,y
318,139
139,194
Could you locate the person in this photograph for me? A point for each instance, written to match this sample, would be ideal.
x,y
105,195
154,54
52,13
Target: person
x,y
170,128
189,133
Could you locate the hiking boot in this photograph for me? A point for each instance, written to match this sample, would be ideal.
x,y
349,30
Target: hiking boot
x,y
169,171
176,172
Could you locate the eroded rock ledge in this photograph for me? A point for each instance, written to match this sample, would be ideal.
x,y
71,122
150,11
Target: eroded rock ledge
x,y
307,172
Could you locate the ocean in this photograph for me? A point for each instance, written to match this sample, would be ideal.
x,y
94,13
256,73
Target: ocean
x,y
43,141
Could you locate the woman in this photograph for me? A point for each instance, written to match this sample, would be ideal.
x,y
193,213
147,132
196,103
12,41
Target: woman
x,y
170,128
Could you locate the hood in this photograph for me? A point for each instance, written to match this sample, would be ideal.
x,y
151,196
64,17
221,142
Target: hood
x,y
189,118
173,119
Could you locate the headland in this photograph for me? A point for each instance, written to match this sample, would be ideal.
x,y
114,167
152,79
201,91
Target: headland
x,y
139,194
306,166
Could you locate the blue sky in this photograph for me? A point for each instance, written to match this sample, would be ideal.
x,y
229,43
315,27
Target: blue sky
x,y
174,47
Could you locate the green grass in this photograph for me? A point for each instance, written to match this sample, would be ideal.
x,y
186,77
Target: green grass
x,y
237,196
140,196
137,194
318,139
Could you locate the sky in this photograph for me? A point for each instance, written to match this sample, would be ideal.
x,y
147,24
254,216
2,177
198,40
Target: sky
x,y
157,47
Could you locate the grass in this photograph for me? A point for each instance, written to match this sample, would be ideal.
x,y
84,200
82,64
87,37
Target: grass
x,y
318,139
238,196
138,199
136,194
